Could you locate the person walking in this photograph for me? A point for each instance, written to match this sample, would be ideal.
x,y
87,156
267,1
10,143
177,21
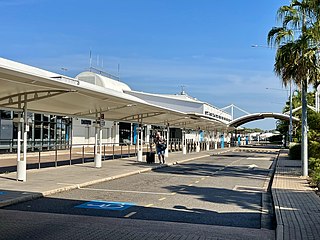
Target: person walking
x,y
160,147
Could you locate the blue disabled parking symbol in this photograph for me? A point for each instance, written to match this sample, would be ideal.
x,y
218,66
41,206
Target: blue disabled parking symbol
x,y
103,205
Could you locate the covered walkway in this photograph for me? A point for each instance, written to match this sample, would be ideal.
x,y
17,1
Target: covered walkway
x,y
29,89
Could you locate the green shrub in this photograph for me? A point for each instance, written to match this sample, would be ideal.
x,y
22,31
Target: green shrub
x,y
295,152
314,149
314,166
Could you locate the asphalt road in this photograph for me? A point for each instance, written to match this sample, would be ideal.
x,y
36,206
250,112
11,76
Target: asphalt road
x,y
217,197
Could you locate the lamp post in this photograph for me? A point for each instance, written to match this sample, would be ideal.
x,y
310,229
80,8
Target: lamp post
x,y
290,124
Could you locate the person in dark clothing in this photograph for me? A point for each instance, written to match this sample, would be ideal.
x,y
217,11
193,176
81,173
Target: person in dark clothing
x,y
160,147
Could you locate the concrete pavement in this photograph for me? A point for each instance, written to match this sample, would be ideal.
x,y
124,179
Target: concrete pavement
x,y
296,205
47,181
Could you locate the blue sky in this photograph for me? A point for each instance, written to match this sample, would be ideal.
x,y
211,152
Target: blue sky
x,y
160,45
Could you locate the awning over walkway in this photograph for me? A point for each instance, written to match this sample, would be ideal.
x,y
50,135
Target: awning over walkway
x,y
47,92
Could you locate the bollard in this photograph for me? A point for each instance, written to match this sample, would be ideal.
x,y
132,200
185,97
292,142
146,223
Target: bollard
x,y
83,154
56,157
39,163
70,161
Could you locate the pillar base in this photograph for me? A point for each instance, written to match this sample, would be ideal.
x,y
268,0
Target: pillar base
x,y
184,149
197,148
208,147
166,152
97,160
215,145
139,156
21,171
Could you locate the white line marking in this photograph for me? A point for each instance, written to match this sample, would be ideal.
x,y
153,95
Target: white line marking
x,y
130,214
161,199
124,191
196,182
259,158
172,175
149,205
247,188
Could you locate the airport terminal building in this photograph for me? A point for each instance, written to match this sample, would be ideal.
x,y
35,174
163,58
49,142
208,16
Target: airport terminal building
x,y
50,131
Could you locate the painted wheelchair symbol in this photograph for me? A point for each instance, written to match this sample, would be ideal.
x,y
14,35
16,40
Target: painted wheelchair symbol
x,y
103,205
112,206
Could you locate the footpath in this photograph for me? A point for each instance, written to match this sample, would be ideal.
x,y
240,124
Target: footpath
x,y
296,205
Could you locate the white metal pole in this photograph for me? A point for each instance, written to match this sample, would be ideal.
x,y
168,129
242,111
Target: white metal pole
x,y
22,166
97,156
140,139
290,126
184,142
166,152
21,173
304,145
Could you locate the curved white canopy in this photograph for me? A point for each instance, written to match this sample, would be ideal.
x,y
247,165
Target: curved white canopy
x,y
47,92
258,116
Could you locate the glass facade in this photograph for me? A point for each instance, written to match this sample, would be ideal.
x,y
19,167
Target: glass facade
x,y
46,132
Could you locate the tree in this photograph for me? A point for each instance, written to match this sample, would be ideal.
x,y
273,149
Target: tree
x,y
296,58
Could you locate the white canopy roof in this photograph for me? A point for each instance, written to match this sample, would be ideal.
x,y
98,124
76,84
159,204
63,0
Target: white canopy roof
x,y
48,92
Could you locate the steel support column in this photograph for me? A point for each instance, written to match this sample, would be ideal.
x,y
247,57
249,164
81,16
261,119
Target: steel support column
x,y
97,156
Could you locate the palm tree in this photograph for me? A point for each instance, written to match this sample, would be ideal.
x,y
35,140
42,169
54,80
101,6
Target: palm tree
x,y
297,56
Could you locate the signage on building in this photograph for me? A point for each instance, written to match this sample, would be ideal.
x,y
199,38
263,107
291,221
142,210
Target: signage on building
x,y
102,123
6,131
86,122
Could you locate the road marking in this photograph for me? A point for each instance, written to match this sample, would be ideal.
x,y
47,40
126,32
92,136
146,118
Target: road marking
x,y
196,182
247,188
252,166
180,175
130,214
259,158
161,199
149,205
190,185
173,193
203,178
104,205
181,189
124,191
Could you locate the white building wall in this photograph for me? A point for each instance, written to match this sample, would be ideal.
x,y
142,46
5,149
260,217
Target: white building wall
x,y
84,131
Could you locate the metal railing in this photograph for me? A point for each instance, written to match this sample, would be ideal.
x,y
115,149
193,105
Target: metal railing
x,y
82,153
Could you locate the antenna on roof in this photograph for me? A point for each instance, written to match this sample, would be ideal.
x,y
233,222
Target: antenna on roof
x,y
183,92
90,59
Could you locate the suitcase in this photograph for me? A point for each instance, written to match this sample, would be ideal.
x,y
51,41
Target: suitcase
x,y
150,157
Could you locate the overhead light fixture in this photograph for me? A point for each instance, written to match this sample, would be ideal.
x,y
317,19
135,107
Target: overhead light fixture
x,y
131,105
